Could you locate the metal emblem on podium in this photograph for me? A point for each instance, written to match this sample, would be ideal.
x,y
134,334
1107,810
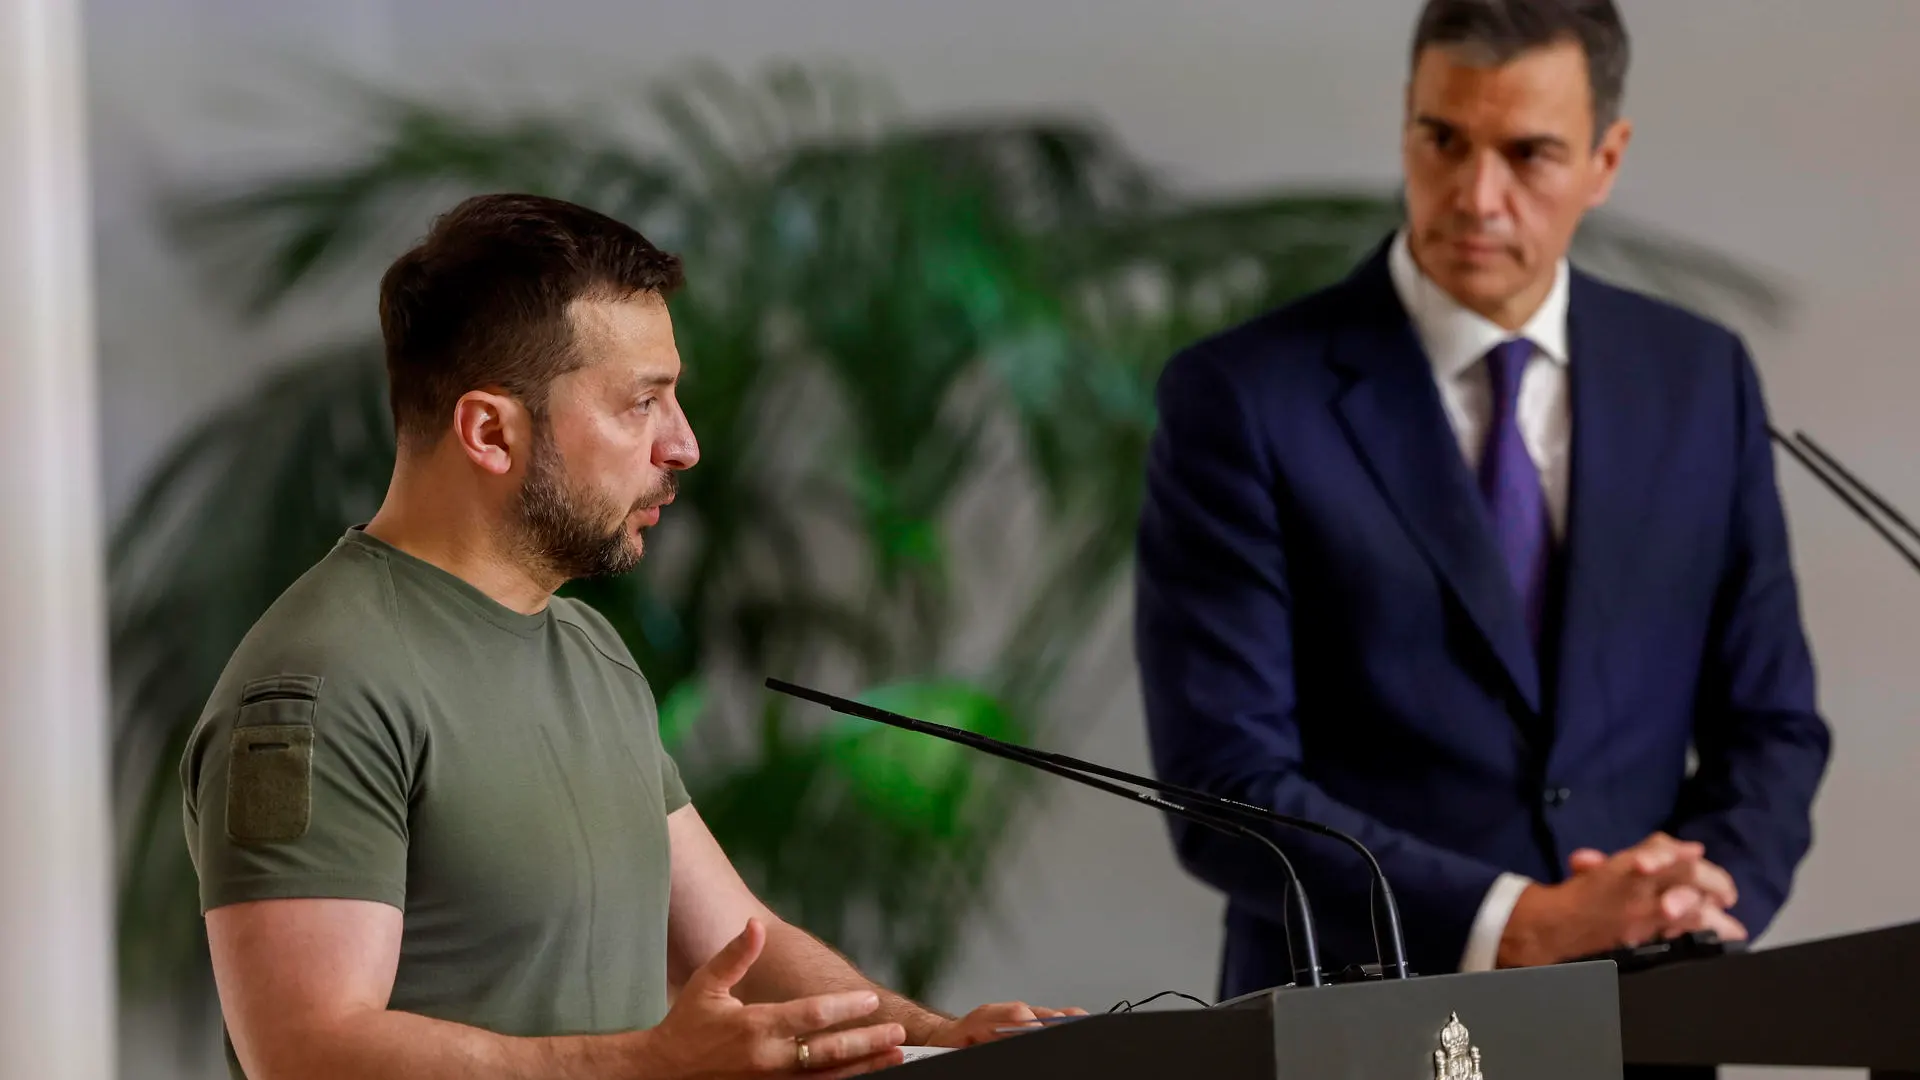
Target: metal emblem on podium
x,y
1457,1058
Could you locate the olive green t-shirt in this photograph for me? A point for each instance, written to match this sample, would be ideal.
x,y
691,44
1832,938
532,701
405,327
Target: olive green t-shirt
x,y
387,732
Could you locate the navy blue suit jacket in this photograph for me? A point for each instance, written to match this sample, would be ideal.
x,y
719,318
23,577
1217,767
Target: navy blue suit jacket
x,y
1324,625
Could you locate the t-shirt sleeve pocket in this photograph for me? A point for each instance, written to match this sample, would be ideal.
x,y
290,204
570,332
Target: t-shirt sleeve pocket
x,y
270,760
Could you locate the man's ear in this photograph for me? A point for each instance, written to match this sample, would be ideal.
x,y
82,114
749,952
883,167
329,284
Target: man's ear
x,y
491,429
1607,158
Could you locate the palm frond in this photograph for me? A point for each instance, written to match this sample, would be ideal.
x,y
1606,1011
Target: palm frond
x,y
283,234
1681,271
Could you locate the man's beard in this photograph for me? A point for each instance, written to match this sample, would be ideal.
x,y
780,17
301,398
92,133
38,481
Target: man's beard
x,y
570,534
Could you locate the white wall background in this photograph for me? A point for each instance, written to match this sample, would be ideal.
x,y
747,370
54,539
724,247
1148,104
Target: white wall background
x,y
1779,131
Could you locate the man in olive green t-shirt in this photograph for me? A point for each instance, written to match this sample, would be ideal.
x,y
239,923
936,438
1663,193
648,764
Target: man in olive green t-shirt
x,y
435,830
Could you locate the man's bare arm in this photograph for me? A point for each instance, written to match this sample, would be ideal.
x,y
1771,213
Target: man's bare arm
x,y
304,986
709,904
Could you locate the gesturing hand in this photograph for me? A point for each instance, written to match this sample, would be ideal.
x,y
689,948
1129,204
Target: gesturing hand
x,y
711,1035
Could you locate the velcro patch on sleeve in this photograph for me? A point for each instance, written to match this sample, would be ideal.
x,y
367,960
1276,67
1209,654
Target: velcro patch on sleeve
x,y
270,760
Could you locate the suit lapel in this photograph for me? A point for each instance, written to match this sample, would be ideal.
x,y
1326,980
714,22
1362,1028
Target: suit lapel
x,y
1619,417
1393,416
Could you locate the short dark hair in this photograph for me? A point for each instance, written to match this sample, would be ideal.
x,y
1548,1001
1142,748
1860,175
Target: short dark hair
x,y
482,301
1503,29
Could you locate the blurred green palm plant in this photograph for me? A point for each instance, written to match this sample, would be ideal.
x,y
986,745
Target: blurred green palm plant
x,y
893,328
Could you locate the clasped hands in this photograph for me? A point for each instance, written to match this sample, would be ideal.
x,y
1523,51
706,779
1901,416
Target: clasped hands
x,y
1658,888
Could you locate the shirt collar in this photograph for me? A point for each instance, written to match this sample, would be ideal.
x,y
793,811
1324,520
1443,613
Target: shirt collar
x,y
1456,338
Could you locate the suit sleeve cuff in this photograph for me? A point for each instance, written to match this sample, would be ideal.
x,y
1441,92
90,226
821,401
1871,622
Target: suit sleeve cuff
x,y
1483,941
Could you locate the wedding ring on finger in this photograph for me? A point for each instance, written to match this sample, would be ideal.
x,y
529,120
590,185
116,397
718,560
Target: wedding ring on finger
x,y
802,1053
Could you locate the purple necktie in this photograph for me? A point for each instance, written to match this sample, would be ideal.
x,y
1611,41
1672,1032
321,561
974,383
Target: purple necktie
x,y
1510,482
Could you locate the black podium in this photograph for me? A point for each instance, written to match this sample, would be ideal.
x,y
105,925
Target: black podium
x,y
1843,1002
1559,1023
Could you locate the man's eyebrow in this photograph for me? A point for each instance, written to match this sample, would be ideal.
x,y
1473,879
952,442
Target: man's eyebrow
x,y
1538,141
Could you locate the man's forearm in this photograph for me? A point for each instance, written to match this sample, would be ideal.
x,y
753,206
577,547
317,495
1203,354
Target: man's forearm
x,y
379,1045
919,1021
797,964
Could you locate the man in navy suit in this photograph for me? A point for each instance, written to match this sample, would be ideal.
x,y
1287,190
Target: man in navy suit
x,y
1470,554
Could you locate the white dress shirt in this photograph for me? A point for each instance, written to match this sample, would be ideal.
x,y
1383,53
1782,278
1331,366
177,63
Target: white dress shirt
x,y
1457,341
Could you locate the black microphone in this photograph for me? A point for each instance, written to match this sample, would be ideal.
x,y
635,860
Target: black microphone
x,y
1077,771
1838,479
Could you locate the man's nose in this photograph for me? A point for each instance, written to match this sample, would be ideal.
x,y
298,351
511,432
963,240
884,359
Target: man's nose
x,y
1483,184
678,449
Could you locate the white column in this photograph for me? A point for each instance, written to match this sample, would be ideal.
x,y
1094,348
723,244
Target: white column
x,y
57,1002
